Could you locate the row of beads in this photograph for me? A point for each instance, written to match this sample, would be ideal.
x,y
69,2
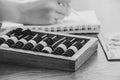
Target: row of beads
x,y
13,36
26,40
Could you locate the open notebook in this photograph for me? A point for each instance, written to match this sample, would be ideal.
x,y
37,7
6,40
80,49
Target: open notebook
x,y
76,22
111,46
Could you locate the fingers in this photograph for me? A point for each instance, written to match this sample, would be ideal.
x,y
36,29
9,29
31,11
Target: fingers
x,y
62,10
45,12
57,16
64,1
59,8
56,12
54,17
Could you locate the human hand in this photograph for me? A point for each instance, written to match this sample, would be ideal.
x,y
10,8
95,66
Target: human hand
x,y
43,11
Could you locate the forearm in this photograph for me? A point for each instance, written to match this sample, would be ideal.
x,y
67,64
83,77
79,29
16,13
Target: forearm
x,y
33,12
9,11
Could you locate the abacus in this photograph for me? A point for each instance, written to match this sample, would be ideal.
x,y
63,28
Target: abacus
x,y
42,49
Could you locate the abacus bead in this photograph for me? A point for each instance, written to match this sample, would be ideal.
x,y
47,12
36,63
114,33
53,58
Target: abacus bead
x,y
73,49
14,31
42,44
49,41
5,45
78,45
11,41
38,48
18,45
67,43
28,46
38,38
62,47
58,42
8,43
25,33
22,42
27,38
14,38
47,49
32,42
3,39
69,53
10,33
18,31
58,51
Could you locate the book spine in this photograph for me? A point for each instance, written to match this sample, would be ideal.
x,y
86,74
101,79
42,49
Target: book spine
x,y
69,29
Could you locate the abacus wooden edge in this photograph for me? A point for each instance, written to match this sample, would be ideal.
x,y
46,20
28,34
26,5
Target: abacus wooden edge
x,y
48,60
64,34
82,55
91,43
20,58
54,33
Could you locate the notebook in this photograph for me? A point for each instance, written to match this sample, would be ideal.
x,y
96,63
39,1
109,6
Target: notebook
x,y
76,22
111,46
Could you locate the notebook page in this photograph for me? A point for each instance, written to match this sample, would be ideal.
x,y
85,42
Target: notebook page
x,y
111,46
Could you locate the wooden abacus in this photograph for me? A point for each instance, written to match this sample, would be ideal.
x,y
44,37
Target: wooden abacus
x,y
50,50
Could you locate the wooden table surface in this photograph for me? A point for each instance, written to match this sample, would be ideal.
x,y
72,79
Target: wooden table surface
x,y
96,68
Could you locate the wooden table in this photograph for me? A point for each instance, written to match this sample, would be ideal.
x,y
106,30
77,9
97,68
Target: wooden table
x,y
96,68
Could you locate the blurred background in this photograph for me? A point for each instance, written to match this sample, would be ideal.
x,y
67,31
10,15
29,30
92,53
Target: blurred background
x,y
107,11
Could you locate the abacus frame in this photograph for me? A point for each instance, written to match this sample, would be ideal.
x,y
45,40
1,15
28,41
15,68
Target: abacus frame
x,y
42,60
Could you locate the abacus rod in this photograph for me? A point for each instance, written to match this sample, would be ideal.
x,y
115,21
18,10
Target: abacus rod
x,y
59,41
54,37
72,40
82,41
35,36
44,36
